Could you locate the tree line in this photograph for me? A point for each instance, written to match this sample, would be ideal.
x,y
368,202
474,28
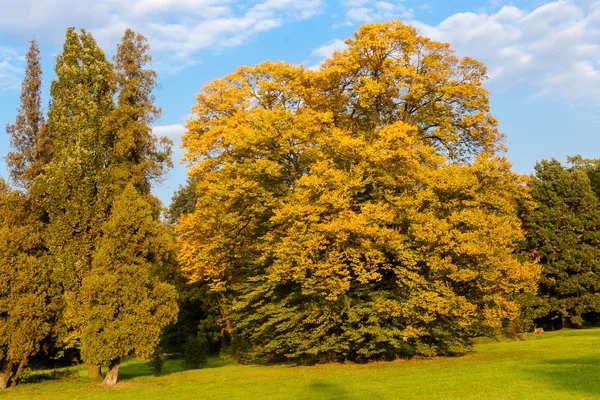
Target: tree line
x,y
361,211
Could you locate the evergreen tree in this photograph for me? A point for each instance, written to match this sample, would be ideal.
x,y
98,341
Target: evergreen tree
x,y
183,201
563,231
100,150
126,305
29,138
73,187
27,306
28,297
138,157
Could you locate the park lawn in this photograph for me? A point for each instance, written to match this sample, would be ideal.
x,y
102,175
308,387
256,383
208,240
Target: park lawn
x,y
558,365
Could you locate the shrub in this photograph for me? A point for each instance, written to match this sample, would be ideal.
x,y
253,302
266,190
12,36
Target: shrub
x,y
195,351
156,362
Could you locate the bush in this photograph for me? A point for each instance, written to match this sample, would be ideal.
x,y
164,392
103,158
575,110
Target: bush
x,y
156,362
240,349
195,352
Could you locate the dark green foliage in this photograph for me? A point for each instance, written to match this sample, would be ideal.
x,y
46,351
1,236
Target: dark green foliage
x,y
564,233
156,362
241,349
195,352
183,201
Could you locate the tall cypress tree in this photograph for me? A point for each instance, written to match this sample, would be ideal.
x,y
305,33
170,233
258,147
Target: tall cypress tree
x,y
138,157
126,305
72,187
27,292
31,144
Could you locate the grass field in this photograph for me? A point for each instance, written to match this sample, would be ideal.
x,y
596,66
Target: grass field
x,y
559,365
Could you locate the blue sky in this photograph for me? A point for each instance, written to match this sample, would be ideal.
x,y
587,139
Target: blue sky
x,y
543,56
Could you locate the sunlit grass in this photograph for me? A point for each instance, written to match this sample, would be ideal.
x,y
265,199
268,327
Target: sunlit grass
x,y
558,365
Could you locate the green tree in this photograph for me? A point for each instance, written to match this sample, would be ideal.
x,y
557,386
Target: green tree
x,y
138,157
183,201
27,308
126,305
29,138
563,231
74,186
28,295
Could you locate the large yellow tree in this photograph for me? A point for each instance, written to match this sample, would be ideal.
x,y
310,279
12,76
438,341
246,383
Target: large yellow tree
x,y
362,210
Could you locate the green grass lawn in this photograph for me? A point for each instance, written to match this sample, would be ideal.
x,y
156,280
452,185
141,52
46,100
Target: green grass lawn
x,y
559,365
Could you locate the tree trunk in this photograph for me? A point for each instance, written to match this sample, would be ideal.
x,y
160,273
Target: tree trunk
x,y
112,376
17,376
5,374
94,371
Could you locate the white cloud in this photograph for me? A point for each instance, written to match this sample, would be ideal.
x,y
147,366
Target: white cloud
x,y
326,50
176,29
173,132
322,52
554,48
363,11
11,68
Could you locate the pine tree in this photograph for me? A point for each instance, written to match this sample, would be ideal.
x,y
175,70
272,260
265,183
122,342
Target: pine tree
x,y
29,138
102,149
126,305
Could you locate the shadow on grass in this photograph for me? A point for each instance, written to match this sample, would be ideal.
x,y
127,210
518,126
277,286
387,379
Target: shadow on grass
x,y
575,375
132,369
326,390
52,375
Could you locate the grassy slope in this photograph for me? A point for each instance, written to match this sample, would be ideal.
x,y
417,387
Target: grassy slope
x,y
560,365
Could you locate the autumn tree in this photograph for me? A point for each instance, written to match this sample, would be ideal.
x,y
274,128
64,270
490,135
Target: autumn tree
x,y
563,231
355,212
125,305
31,145
27,295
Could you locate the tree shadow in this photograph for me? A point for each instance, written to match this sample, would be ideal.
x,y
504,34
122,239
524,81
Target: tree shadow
x,y
577,375
325,390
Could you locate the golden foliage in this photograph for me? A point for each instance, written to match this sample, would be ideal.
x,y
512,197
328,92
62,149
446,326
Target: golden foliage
x,y
371,188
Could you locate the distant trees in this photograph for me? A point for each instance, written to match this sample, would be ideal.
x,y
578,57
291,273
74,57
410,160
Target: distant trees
x,y
356,212
563,232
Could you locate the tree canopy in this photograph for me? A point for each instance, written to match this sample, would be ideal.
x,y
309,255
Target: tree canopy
x,y
357,211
